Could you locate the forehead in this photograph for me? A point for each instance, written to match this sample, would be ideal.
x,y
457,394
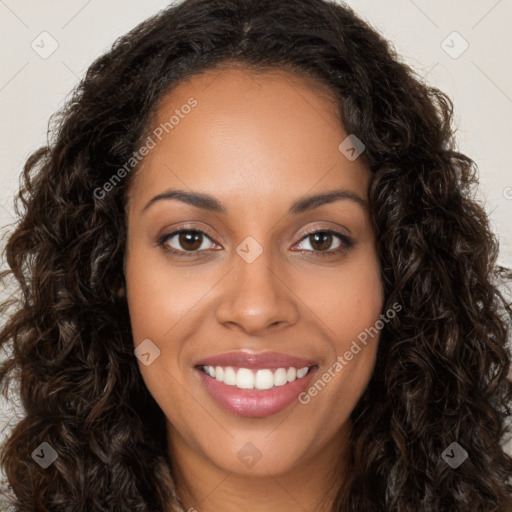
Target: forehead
x,y
248,132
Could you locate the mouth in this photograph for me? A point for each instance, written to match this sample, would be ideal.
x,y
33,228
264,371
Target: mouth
x,y
255,386
257,379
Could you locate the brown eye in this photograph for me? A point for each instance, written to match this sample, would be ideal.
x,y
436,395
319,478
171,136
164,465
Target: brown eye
x,y
190,240
321,241
185,241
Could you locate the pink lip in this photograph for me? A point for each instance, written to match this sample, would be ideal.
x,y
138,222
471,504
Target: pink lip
x,y
268,360
253,403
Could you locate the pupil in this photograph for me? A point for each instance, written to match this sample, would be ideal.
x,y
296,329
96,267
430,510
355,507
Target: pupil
x,y
327,238
190,240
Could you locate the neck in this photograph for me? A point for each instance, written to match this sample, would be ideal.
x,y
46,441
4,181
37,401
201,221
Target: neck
x,y
312,485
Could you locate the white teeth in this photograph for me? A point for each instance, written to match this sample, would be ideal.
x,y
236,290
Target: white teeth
x,y
301,372
244,379
280,377
229,376
264,379
260,379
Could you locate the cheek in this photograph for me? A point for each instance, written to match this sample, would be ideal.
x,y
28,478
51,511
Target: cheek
x,y
160,304
347,300
349,305
360,301
167,306
357,343
160,296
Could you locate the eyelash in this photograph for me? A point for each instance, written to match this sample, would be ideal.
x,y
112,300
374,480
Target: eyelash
x,y
347,243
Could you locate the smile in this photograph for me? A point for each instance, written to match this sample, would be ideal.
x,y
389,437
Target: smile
x,y
246,378
255,385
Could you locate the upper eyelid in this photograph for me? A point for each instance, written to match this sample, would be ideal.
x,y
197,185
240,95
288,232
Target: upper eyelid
x,y
177,231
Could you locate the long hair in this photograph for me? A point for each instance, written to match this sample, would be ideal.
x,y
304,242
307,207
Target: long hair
x,y
442,363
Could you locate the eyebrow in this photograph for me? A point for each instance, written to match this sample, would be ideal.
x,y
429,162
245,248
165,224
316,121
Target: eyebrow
x,y
209,203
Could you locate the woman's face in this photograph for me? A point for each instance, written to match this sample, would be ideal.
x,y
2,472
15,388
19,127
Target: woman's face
x,y
257,292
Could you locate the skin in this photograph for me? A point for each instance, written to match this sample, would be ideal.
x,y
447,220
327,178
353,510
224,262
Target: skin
x,y
257,143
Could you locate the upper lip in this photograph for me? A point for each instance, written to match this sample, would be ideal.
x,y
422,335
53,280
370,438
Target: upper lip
x,y
256,360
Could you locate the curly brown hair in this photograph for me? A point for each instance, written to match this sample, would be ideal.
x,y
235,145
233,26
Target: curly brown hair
x,y
442,364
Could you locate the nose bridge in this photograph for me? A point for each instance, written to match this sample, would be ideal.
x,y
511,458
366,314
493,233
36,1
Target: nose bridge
x,y
255,297
253,266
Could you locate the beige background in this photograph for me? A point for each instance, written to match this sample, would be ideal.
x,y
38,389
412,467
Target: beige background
x,y
479,80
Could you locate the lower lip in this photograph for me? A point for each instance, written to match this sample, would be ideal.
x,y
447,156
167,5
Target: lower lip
x,y
252,403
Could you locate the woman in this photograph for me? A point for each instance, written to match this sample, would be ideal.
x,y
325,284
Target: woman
x,y
254,278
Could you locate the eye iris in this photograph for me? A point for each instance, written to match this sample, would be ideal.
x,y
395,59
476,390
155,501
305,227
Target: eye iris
x,y
190,237
327,240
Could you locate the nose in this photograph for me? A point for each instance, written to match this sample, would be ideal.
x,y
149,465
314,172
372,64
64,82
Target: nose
x,y
256,298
